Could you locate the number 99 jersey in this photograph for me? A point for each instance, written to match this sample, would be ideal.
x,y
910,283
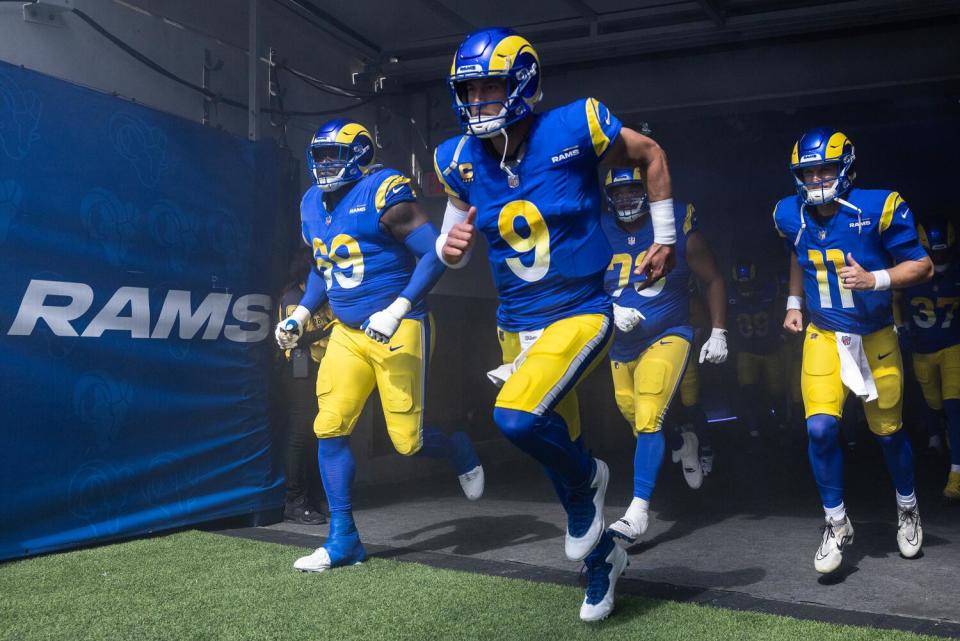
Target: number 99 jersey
x,y
363,266
547,251
878,235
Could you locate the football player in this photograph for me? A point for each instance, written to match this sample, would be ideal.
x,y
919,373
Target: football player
x,y
757,344
932,309
528,182
653,336
849,248
375,262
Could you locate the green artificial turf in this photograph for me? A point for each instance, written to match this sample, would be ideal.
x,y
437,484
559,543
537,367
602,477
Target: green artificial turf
x,y
196,585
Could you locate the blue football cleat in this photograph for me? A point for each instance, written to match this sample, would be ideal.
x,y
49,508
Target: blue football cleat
x,y
343,547
585,514
604,566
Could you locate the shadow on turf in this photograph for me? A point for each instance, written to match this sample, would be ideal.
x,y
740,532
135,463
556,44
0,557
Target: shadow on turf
x,y
478,534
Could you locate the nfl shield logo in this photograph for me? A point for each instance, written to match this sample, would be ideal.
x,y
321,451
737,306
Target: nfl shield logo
x,y
631,241
822,234
328,219
846,341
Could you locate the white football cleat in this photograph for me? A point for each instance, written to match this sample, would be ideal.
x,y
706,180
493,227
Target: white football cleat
x,y
689,456
909,531
604,566
319,561
836,536
472,483
626,531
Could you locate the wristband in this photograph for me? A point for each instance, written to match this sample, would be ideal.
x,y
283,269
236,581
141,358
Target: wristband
x,y
882,278
794,302
664,225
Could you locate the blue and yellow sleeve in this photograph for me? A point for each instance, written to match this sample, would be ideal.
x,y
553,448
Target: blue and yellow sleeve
x,y
898,232
602,126
689,224
450,173
395,188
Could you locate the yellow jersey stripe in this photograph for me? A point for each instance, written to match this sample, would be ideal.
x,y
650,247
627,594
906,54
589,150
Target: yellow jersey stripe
x,y
889,206
597,136
386,186
443,181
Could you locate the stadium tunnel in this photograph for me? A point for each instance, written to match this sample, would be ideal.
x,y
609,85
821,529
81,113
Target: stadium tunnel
x,y
151,168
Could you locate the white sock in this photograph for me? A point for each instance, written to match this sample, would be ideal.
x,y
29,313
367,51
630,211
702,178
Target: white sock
x,y
637,507
838,513
907,502
954,468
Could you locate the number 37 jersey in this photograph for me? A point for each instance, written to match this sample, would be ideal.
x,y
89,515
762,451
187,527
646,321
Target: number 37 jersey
x,y
363,266
877,236
546,249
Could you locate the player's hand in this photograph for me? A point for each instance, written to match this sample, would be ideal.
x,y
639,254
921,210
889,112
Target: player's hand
x,y
382,325
290,329
793,322
853,276
626,318
657,263
460,238
288,332
715,349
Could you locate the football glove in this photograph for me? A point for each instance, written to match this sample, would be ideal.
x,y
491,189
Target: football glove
x,y
626,318
382,325
715,349
290,329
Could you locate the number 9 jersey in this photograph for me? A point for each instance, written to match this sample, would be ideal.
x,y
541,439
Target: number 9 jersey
x,y
878,231
363,266
547,250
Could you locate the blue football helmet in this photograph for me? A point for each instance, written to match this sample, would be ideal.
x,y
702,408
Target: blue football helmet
x,y
628,204
823,146
744,271
340,152
939,238
495,53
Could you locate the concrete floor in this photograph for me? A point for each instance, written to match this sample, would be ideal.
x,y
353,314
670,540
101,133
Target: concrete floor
x,y
751,530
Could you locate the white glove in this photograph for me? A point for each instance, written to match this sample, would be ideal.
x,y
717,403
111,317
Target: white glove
x,y
715,349
626,318
381,325
290,329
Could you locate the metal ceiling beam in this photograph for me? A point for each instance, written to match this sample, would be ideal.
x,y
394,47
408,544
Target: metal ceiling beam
x,y
335,28
698,33
448,14
589,15
713,9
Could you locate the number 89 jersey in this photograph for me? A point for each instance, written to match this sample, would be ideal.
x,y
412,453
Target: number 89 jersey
x,y
880,234
363,266
547,251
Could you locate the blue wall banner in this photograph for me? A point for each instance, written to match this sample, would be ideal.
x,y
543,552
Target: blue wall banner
x,y
135,308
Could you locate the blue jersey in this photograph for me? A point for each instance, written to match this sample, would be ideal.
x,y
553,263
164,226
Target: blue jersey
x,y
756,317
363,266
934,309
546,249
883,233
665,304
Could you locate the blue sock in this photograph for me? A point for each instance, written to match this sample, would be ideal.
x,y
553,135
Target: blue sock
x,y
436,444
951,408
646,463
826,457
898,453
336,471
545,438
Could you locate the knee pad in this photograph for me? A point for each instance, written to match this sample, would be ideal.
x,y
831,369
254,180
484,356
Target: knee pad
x,y
889,390
329,422
398,397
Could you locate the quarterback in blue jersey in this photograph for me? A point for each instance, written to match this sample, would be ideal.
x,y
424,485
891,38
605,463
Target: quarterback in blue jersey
x,y
933,315
375,262
757,343
653,336
849,248
528,182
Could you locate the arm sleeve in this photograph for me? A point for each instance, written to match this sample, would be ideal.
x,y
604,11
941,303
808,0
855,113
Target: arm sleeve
x,y
421,243
315,292
898,231
451,216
